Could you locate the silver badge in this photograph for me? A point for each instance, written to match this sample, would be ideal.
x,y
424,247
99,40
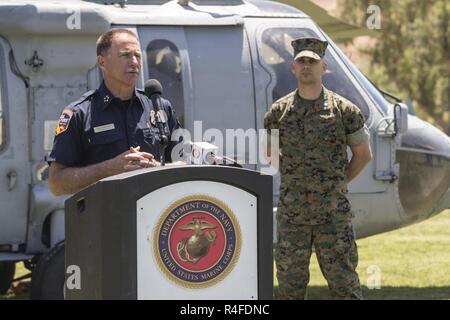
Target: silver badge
x,y
105,99
152,118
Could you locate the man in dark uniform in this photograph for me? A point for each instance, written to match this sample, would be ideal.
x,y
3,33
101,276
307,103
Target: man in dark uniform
x,y
109,130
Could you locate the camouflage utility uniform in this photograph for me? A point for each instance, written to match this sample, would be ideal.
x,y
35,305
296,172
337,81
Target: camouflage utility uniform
x,y
313,208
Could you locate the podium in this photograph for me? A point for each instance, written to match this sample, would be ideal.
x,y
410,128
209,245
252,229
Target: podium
x,y
187,232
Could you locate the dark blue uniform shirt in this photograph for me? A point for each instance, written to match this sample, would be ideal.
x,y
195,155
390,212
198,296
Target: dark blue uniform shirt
x,y
101,126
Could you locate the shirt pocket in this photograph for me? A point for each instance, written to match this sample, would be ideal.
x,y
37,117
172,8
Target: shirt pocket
x,y
105,146
104,138
328,129
149,135
147,139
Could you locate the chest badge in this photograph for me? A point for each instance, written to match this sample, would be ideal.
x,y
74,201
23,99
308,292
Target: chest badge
x,y
153,118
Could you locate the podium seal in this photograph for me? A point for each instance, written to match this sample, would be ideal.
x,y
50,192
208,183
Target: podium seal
x,y
197,241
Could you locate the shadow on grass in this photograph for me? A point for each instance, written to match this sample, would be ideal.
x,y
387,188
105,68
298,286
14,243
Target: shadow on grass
x,y
385,293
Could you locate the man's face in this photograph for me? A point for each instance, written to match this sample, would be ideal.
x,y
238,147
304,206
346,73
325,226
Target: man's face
x,y
308,70
122,63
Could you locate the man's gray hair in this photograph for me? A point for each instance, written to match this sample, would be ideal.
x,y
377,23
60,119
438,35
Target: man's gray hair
x,y
105,40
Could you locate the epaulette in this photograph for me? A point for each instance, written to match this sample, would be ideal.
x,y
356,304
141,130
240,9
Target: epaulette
x,y
283,102
83,98
286,97
63,123
341,100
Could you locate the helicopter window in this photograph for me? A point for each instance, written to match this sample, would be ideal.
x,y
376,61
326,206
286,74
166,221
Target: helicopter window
x,y
277,53
164,64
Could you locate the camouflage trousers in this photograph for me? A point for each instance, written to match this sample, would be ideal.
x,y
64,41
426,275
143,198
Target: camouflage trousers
x,y
335,247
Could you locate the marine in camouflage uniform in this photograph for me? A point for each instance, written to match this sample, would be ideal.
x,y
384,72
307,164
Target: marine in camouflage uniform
x,y
313,208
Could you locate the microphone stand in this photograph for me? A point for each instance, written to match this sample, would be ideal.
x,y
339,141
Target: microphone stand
x,y
163,140
153,91
225,159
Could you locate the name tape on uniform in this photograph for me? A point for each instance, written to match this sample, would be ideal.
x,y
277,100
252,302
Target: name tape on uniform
x,y
103,128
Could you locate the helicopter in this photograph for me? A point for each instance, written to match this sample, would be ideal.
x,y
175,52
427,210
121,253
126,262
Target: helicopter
x,y
221,62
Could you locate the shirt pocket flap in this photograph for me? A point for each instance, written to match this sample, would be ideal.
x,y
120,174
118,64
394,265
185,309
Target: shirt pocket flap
x,y
147,132
105,138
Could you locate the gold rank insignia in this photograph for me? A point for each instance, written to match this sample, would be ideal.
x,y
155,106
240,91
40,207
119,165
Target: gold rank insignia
x,y
63,122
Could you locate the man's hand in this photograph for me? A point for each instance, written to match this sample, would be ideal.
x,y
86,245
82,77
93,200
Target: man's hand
x,y
68,180
133,159
361,155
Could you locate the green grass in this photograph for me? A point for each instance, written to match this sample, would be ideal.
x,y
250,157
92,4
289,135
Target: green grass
x,y
20,271
414,263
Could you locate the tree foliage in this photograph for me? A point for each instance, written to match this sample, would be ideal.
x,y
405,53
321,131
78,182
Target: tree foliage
x,y
411,56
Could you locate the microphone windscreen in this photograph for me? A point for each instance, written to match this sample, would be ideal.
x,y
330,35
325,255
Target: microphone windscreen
x,y
152,86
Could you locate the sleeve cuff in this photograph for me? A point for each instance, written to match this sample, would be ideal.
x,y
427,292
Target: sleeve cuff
x,y
358,137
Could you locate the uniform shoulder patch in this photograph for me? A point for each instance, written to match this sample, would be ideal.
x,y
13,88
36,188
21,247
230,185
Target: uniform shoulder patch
x,y
63,122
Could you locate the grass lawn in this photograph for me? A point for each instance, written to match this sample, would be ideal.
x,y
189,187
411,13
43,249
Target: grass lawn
x,y
24,286
414,263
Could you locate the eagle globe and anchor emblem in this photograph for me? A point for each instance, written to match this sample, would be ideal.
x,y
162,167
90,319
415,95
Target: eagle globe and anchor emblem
x,y
197,241
195,247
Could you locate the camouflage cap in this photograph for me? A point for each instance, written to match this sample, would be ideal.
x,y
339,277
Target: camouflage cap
x,y
309,47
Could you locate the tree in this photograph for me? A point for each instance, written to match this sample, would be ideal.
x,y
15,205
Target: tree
x,y
411,56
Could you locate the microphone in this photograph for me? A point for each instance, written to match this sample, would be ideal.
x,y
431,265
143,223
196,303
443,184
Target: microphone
x,y
206,153
153,91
